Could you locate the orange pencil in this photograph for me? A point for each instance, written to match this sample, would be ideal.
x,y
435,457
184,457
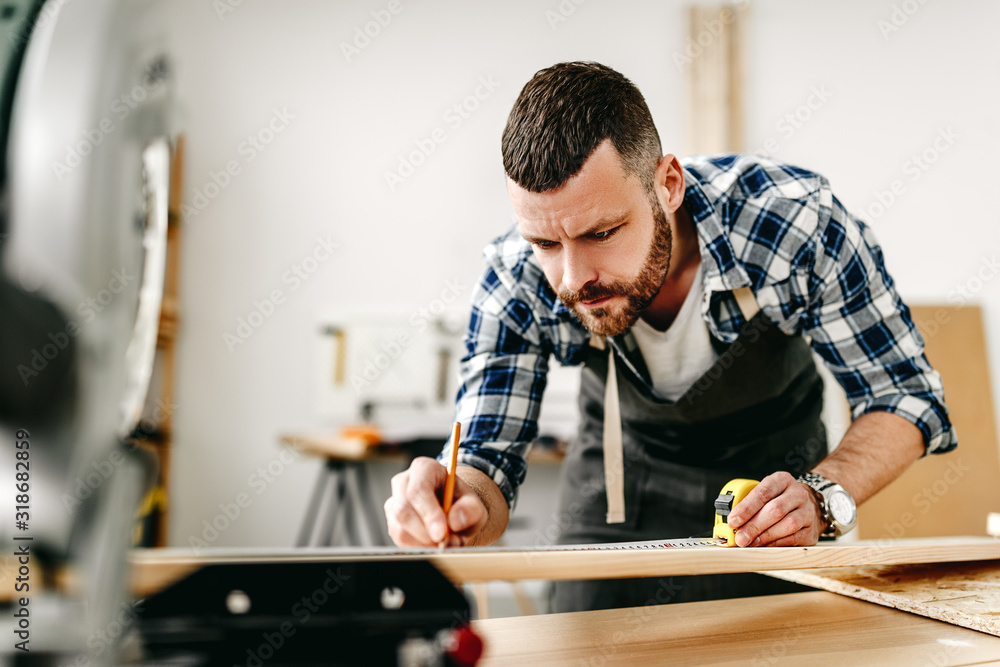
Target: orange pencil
x,y
449,486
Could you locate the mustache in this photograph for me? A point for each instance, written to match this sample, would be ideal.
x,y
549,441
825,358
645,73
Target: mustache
x,y
589,293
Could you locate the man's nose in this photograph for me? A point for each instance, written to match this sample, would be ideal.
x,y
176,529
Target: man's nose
x,y
578,270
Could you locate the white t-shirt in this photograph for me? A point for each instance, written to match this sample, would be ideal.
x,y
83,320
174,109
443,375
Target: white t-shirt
x,y
678,357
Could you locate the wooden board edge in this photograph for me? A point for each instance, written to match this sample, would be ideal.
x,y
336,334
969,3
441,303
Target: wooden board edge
x,y
466,566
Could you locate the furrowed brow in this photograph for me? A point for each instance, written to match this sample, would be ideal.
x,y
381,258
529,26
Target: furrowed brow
x,y
605,224
534,239
600,225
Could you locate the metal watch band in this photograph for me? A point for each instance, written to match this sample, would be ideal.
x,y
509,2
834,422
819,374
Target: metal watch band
x,y
818,484
816,481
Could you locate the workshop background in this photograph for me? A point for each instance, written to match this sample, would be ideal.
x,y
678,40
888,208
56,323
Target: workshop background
x,y
338,180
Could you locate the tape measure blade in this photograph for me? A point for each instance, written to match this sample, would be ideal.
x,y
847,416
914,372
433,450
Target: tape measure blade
x,y
688,542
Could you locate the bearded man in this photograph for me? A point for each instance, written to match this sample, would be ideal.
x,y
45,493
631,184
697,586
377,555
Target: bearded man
x,y
693,294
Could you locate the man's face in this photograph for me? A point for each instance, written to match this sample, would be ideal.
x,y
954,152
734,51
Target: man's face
x,y
603,244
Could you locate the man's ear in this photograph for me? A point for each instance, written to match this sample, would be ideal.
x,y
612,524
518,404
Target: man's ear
x,y
669,183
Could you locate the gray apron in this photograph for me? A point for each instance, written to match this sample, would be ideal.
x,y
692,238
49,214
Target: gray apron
x,y
753,413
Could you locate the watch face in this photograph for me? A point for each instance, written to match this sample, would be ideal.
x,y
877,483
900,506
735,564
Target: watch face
x,y
842,507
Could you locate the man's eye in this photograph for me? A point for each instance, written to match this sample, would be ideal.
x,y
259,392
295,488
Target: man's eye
x,y
545,245
608,233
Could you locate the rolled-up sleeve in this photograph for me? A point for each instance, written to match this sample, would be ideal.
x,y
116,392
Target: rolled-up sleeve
x,y
502,378
863,331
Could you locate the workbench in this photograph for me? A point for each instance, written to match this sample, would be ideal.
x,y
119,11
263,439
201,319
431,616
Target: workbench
x,y
814,628
950,578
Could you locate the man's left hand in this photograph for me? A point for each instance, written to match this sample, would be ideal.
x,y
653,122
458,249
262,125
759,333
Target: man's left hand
x,y
779,512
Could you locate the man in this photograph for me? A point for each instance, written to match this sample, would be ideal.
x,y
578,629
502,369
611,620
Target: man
x,y
690,293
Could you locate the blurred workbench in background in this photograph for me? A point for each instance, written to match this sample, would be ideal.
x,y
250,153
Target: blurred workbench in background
x,y
344,478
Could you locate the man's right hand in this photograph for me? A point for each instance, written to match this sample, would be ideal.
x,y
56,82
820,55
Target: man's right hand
x,y
416,519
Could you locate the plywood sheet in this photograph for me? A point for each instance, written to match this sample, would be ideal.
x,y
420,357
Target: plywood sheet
x,y
965,594
949,494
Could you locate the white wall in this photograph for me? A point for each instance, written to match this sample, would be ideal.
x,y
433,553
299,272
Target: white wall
x,y
324,174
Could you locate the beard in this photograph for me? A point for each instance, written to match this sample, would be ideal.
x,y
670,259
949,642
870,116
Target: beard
x,y
615,319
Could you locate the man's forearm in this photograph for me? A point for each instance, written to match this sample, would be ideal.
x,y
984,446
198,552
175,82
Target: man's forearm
x,y
876,449
497,512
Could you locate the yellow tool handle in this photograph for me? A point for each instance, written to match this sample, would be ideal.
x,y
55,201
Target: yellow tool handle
x,y
732,493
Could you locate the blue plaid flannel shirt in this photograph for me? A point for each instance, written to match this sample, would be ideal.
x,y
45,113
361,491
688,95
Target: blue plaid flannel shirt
x,y
814,268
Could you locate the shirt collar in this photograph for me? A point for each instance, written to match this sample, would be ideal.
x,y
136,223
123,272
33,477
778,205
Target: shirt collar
x,y
723,273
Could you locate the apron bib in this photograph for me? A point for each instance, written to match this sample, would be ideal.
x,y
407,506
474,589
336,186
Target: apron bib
x,y
755,412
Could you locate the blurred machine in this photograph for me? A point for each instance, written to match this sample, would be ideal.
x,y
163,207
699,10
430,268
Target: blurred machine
x,y
86,103
85,131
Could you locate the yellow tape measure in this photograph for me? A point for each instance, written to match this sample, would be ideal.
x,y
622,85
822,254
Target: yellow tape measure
x,y
731,494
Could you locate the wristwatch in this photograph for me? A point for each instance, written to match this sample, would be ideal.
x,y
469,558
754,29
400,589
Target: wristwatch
x,y
837,506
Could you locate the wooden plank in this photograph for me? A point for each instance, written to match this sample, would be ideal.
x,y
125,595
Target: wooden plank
x,y
965,594
716,45
155,568
816,629
949,494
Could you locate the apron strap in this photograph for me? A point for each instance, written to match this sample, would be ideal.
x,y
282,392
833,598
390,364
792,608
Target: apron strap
x,y
614,468
747,302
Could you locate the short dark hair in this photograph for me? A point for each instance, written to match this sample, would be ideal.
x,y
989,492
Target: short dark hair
x,y
561,116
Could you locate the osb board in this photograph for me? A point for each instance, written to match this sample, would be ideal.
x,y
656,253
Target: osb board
x,y
817,629
153,569
949,494
965,594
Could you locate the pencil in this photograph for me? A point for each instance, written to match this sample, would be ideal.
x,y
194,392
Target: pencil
x,y
449,485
